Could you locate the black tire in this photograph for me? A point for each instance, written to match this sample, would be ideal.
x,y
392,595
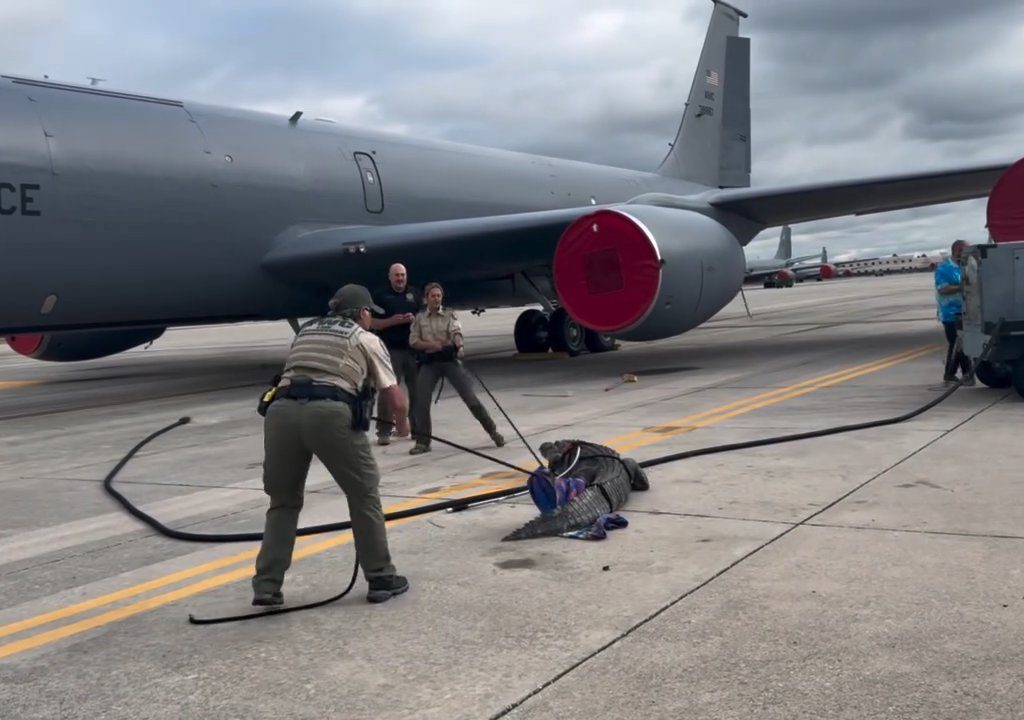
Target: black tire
x,y
565,334
997,376
1017,377
531,332
597,342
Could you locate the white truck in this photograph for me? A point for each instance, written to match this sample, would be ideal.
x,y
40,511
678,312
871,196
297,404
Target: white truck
x,y
993,313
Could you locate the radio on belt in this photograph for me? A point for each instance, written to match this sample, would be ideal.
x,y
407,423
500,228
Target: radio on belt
x,y
993,314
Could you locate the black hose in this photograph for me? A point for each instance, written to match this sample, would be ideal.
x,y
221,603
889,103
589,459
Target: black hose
x,y
798,436
460,503
108,486
282,610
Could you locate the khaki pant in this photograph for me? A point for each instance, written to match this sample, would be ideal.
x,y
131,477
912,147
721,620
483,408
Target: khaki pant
x,y
404,364
295,431
427,380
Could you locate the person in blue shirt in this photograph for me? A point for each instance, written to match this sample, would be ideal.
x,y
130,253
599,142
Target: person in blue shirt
x,y
949,297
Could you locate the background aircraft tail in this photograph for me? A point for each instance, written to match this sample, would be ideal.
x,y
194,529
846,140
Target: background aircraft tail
x,y
785,251
712,146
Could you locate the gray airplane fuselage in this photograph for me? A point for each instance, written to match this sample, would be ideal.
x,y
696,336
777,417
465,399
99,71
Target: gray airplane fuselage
x,y
125,210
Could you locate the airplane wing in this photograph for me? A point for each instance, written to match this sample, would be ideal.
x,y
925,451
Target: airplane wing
x,y
758,274
802,258
469,248
775,206
491,247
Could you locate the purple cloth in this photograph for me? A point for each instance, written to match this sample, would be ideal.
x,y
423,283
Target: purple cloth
x,y
599,530
550,493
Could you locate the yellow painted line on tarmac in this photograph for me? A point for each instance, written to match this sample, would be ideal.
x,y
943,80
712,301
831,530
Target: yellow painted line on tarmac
x,y
773,393
306,547
11,384
690,424
129,592
81,626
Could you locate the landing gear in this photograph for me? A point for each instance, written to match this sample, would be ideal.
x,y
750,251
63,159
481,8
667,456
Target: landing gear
x,y
597,342
536,332
531,332
566,334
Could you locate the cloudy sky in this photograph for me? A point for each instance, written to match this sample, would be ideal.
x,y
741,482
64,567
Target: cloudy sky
x,y
839,89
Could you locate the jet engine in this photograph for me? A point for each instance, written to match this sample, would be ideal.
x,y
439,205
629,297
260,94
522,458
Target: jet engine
x,y
74,345
644,272
827,271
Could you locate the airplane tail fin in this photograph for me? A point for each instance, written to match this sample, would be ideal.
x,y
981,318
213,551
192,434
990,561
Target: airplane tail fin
x,y
785,251
712,145
824,255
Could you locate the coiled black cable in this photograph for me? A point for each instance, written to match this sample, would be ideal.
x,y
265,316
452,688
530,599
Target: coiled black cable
x,y
465,502
136,512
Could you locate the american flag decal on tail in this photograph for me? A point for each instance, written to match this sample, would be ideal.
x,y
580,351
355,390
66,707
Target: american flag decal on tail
x,y
711,77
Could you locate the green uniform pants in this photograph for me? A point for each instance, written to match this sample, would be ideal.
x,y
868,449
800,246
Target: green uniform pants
x,y
295,431
426,382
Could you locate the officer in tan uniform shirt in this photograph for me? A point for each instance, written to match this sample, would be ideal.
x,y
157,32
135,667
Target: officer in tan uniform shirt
x,y
437,334
316,412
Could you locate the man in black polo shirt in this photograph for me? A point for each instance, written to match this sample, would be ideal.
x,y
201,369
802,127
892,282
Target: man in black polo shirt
x,y
400,302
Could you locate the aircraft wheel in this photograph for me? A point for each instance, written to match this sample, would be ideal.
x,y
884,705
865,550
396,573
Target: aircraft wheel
x,y
531,332
566,334
995,375
1017,375
597,342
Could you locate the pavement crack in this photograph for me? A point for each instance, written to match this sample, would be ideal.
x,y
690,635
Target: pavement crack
x,y
917,531
735,563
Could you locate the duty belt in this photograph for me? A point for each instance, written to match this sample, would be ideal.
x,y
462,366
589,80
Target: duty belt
x,y
316,391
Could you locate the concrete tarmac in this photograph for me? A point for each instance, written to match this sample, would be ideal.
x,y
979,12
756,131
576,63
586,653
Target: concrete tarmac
x,y
863,575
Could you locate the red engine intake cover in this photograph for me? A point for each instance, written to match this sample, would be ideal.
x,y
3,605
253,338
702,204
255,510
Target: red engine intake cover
x,y
1005,212
607,271
785,275
828,271
25,344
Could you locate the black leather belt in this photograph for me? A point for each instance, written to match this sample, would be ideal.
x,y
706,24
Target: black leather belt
x,y
315,391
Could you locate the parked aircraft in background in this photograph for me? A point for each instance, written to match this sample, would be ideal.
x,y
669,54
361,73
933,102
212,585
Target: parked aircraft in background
x,y
764,269
122,214
821,270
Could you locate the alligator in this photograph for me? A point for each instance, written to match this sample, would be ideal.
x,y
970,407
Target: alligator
x,y
609,480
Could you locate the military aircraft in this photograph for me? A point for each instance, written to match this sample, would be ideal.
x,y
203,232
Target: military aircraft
x,y
777,271
821,270
122,214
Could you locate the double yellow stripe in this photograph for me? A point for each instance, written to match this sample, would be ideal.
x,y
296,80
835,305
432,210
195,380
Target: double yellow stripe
x,y
308,546
740,407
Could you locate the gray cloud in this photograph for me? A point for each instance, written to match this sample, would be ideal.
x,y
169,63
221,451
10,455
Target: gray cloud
x,y
838,89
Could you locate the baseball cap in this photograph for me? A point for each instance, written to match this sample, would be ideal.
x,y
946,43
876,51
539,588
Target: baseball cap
x,y
352,297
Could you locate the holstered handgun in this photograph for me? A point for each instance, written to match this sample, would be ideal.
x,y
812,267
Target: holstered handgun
x,y
268,396
362,408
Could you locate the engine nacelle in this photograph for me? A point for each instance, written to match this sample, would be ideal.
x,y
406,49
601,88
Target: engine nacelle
x,y
827,271
785,276
75,345
643,272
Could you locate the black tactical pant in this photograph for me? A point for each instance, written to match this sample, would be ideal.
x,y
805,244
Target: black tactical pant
x,y
404,364
426,382
954,356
